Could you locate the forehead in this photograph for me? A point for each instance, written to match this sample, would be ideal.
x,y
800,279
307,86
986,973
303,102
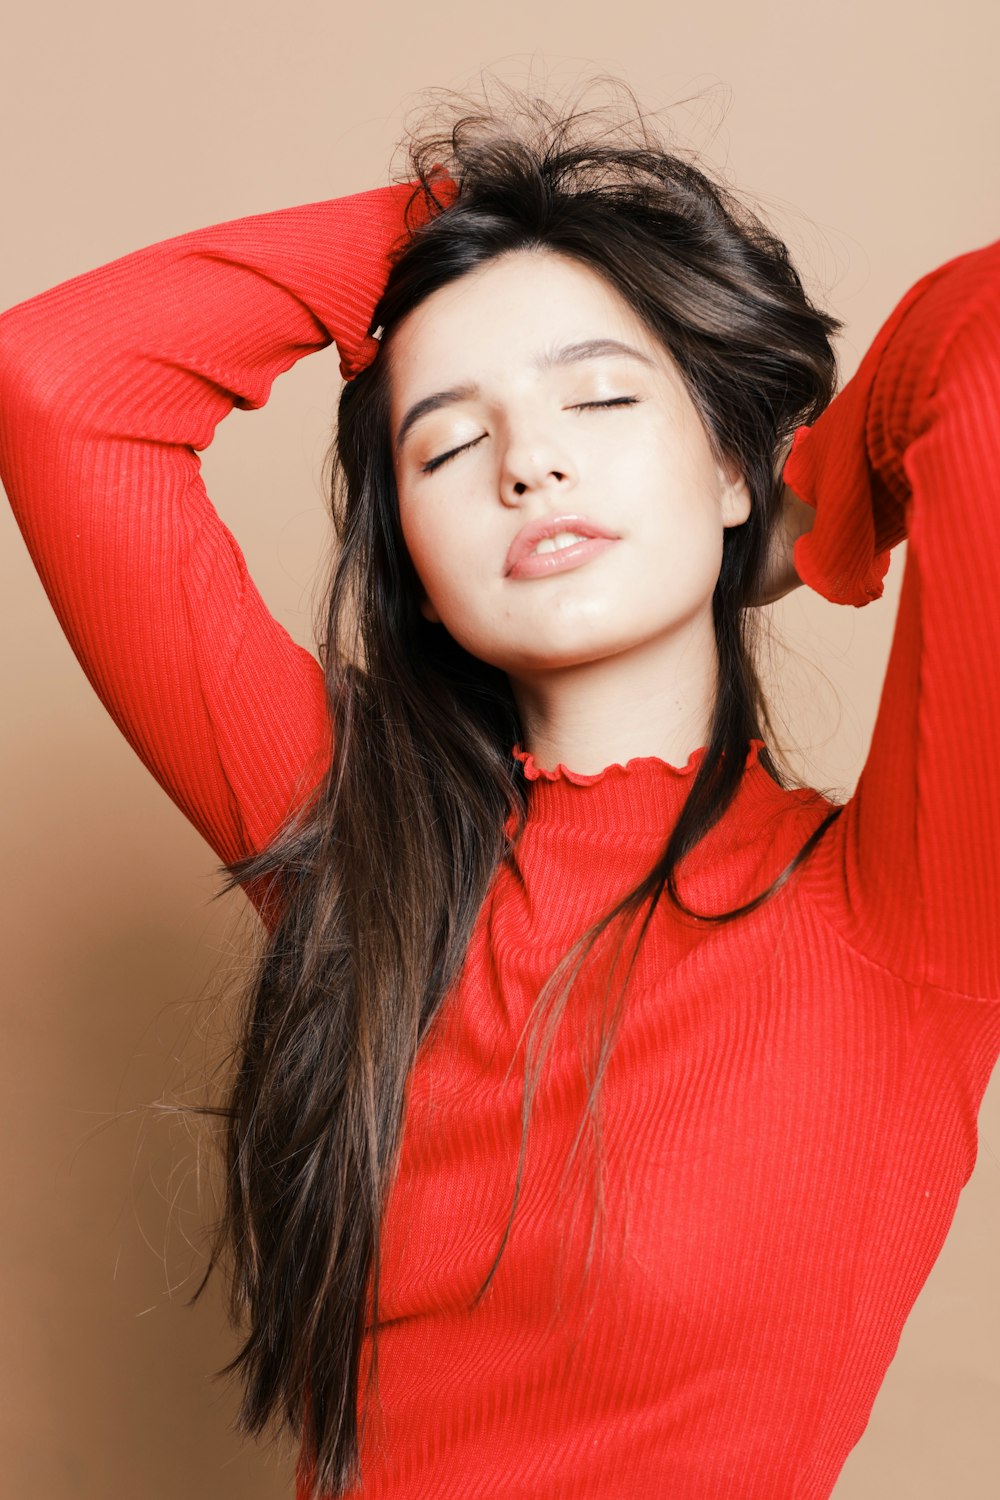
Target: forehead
x,y
497,320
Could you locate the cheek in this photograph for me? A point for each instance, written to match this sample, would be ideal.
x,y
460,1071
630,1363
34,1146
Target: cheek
x,y
442,553
676,565
419,534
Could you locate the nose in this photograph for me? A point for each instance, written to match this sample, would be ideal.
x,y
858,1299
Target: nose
x,y
529,466
531,476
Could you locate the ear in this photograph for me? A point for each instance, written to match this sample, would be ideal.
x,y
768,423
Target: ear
x,y
428,611
734,494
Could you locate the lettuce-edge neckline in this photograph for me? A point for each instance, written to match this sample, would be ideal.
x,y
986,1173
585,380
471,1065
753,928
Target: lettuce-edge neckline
x,y
636,766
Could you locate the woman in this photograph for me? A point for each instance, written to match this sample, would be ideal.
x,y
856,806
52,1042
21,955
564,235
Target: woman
x,y
524,860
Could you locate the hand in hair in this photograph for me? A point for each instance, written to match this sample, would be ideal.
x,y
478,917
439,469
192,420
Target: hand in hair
x,y
781,576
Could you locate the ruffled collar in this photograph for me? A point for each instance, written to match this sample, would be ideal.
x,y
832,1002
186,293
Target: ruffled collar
x,y
642,795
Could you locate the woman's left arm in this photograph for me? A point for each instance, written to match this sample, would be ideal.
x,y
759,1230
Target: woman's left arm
x,y
911,448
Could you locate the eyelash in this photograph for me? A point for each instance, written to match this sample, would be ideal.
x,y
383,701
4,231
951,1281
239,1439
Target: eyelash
x,y
435,463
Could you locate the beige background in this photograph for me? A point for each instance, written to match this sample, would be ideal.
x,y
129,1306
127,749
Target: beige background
x,y
868,134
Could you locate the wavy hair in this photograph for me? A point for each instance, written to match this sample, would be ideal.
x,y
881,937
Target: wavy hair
x,y
377,879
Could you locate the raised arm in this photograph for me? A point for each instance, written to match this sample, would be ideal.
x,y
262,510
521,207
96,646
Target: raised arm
x,y
911,448
109,384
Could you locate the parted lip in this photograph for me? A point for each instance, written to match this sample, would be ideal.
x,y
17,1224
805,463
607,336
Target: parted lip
x,y
530,535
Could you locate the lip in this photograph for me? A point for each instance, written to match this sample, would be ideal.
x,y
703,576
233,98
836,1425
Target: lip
x,y
530,535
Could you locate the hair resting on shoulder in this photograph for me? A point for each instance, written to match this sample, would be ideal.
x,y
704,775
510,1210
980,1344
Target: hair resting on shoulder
x,y
376,906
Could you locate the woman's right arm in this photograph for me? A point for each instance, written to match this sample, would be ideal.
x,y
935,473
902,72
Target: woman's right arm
x,y
109,385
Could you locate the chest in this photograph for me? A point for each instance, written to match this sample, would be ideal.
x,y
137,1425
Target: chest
x,y
754,1113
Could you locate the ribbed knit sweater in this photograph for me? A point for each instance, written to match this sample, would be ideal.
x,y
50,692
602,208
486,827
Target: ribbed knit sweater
x,y
790,1110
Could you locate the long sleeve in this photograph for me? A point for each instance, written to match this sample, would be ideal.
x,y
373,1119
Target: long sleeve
x,y
911,448
109,384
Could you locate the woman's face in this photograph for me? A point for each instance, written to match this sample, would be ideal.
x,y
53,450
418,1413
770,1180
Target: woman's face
x,y
517,411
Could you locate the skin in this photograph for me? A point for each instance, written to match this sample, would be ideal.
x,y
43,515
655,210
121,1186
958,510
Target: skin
x,y
615,658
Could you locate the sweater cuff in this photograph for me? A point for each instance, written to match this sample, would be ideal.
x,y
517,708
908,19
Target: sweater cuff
x,y
828,468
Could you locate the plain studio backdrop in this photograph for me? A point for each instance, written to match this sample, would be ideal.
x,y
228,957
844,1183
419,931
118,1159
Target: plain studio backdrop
x,y
867,134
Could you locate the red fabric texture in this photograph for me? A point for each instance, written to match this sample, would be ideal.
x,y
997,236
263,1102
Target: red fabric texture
x,y
790,1110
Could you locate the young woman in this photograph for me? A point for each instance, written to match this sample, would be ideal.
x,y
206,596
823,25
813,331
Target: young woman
x,y
526,865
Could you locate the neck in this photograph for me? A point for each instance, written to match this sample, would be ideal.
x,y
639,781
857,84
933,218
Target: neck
x,y
652,700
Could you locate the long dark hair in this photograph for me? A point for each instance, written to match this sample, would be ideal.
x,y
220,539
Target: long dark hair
x,y
376,880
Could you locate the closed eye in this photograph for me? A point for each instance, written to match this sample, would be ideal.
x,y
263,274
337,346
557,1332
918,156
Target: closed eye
x,y
435,463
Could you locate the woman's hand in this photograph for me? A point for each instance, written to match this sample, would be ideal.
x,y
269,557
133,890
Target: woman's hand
x,y
781,577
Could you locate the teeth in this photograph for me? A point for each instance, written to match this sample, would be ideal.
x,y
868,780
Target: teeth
x,y
561,539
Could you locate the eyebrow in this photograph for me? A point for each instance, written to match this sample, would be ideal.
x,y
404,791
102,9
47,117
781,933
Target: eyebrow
x,y
566,354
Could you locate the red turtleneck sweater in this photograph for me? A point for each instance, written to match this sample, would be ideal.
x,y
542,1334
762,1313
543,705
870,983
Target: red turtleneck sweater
x,y
789,1113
